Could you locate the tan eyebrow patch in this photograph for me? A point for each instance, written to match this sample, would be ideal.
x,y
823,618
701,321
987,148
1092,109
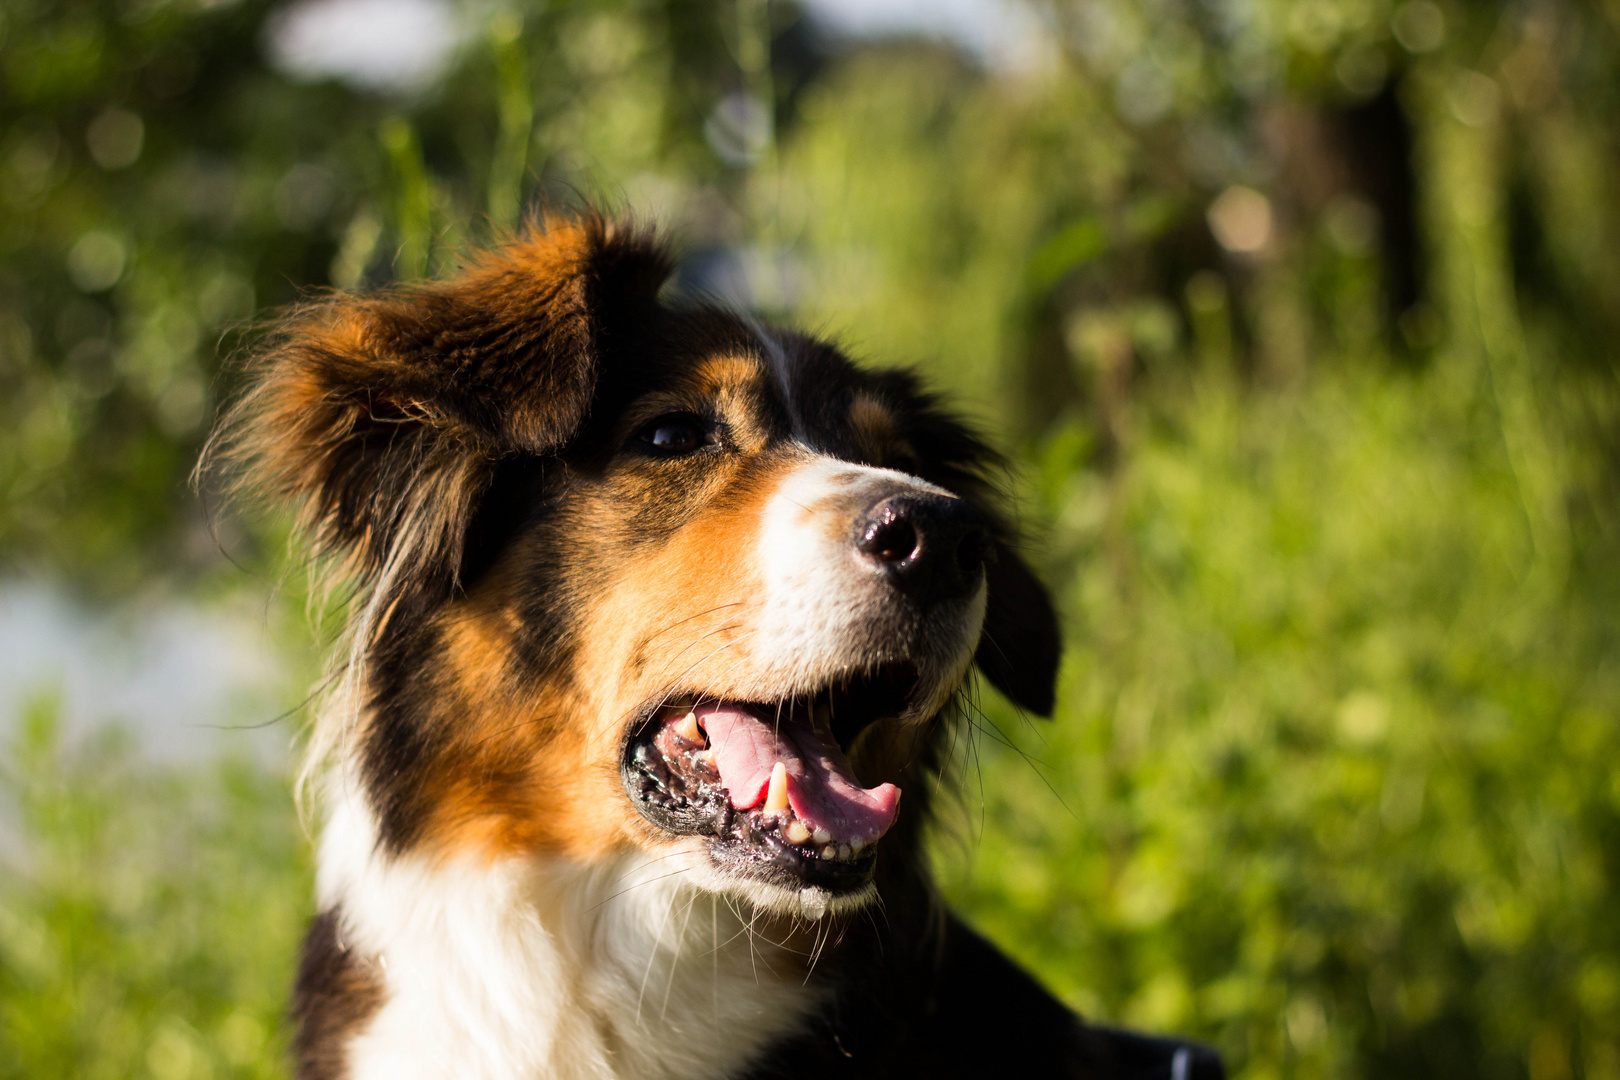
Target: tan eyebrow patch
x,y
726,372
872,425
730,384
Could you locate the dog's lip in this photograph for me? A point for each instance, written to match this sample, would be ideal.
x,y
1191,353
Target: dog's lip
x,y
794,770
820,827
897,685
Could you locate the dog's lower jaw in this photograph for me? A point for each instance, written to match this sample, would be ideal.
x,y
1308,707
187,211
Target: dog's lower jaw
x,y
546,967
799,907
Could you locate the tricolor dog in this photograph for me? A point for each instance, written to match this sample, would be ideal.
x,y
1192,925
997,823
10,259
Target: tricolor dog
x,y
659,623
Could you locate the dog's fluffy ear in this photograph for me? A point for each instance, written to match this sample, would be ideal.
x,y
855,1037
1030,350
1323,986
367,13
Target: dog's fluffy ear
x,y
1021,645
381,417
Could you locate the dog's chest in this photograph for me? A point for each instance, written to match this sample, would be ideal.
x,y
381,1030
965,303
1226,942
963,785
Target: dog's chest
x,y
526,970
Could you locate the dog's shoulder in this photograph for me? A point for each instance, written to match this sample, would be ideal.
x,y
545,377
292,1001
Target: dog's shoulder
x,y
964,1009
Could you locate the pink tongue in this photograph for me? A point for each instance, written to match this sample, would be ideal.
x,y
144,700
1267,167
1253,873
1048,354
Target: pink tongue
x,y
820,788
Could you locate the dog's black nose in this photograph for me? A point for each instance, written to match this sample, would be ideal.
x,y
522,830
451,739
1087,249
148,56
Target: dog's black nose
x,y
931,547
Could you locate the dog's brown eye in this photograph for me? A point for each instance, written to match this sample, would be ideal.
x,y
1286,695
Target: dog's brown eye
x,y
678,433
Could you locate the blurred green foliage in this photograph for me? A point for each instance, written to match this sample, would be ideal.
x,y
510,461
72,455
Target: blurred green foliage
x,y
1300,317
1336,778
151,926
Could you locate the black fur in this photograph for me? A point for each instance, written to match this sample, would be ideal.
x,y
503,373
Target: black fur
x,y
334,995
438,434
1021,645
963,1011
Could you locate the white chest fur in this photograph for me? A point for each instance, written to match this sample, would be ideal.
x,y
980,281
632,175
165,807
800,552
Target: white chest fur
x,y
544,968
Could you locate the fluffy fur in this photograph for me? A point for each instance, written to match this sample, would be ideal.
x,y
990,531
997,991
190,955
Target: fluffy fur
x,y
567,508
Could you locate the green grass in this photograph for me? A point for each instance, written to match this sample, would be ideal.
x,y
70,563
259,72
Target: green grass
x,y
1336,777
1333,782
152,926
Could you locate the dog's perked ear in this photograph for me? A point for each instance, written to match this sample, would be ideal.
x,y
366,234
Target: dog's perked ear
x,y
381,418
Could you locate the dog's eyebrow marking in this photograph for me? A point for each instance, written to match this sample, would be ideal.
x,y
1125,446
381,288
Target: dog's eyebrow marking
x,y
873,425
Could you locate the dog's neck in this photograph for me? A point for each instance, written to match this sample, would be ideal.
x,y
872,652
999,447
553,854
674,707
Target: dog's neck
x,y
541,967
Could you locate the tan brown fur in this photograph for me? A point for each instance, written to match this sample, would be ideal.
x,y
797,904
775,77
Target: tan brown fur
x,y
872,427
670,623
532,580
414,362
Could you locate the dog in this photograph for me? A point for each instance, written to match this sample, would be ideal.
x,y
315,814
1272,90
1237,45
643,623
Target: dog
x,y
659,624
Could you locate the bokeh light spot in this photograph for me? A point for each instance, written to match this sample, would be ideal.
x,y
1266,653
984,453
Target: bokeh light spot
x,y
1419,26
1241,219
96,261
115,138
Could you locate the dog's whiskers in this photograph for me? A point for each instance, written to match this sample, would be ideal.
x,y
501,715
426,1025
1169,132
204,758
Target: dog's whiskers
x,y
690,618
675,963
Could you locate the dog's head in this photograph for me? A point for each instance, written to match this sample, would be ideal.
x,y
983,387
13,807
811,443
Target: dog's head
x,y
633,575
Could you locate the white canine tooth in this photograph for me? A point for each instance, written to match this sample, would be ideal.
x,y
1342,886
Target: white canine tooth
x,y
856,844
687,728
822,836
843,853
829,852
776,796
796,832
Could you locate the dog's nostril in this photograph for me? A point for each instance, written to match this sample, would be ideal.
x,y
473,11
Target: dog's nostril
x,y
891,541
932,548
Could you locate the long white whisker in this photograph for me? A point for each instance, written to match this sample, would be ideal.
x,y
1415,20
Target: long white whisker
x,y
674,684
680,943
652,958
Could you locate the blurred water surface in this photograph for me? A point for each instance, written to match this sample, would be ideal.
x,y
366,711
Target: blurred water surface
x,y
191,681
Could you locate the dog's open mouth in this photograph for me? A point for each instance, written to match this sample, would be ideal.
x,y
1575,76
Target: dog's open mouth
x,y
770,782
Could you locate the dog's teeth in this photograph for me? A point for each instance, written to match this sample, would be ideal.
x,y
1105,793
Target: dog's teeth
x,y
829,852
796,832
856,844
844,853
776,796
822,836
687,728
